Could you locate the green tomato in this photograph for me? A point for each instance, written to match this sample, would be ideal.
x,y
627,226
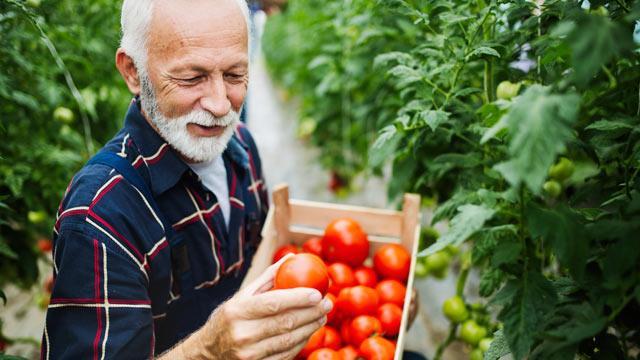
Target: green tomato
x,y
485,344
428,236
452,250
562,170
64,115
455,309
441,273
421,270
36,217
472,333
552,188
438,261
476,354
33,3
507,90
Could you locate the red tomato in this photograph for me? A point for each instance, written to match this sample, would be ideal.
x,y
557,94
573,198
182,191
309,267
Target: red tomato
x,y
332,315
358,300
344,331
348,353
302,270
341,277
44,245
377,348
366,276
315,342
392,261
390,316
391,291
363,327
324,354
284,250
313,246
344,241
48,284
331,338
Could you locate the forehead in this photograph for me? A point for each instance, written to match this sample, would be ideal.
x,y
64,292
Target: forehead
x,y
198,30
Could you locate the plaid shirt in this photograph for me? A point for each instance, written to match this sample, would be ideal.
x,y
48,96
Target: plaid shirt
x,y
121,291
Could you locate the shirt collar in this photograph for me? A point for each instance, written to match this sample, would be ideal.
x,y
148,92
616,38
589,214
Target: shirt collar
x,y
165,166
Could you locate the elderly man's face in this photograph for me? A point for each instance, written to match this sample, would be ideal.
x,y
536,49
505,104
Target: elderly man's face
x,y
198,59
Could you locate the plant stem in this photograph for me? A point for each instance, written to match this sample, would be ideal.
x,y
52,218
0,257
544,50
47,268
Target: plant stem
x,y
445,344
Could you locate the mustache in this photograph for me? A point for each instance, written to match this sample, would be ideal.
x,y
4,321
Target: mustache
x,y
205,118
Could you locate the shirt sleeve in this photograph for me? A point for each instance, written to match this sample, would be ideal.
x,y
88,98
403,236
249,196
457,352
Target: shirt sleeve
x,y
100,307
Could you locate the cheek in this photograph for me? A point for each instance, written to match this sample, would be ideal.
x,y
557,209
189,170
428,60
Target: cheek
x,y
236,94
179,101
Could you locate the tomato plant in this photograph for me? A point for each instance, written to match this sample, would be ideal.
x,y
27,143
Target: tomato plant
x,y
302,270
536,178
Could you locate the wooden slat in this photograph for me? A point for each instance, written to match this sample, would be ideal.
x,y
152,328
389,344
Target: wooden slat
x,y
282,211
373,221
299,234
410,218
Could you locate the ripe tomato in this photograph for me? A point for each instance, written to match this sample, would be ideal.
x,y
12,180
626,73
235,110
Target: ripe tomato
x,y
283,251
366,276
472,333
44,245
391,291
348,353
302,270
332,315
331,338
455,309
358,300
392,261
341,277
390,316
344,331
363,327
313,246
344,241
377,348
315,342
324,354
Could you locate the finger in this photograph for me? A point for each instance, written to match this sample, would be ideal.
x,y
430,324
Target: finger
x,y
287,342
275,302
264,282
288,321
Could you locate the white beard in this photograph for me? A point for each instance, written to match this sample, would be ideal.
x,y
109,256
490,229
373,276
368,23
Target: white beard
x,y
174,130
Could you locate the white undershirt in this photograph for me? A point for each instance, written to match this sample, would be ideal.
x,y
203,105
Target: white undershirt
x,y
213,175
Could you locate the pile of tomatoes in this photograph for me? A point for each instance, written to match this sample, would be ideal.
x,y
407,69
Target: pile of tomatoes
x,y
368,300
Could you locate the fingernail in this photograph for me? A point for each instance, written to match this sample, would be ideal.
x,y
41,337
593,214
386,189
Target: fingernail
x,y
327,305
315,297
323,320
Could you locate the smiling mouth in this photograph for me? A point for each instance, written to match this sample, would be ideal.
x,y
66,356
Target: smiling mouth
x,y
205,131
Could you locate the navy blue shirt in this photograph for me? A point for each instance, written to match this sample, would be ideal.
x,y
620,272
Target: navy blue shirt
x,y
120,290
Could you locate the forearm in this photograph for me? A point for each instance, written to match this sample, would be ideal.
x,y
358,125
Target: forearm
x,y
192,348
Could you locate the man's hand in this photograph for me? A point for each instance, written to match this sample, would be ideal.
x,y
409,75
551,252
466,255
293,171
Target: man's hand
x,y
258,323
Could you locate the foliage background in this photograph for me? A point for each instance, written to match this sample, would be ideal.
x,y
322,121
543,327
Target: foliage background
x,y
43,56
559,271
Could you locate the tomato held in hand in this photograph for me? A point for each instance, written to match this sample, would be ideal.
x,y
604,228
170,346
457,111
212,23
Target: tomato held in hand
x,y
358,300
345,241
302,270
377,348
324,354
366,276
348,353
333,314
315,342
331,338
390,316
341,277
363,327
391,291
313,246
392,261
283,251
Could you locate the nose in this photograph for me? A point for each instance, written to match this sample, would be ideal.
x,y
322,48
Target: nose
x,y
215,100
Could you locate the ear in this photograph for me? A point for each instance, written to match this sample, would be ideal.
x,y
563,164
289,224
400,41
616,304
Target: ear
x,y
128,70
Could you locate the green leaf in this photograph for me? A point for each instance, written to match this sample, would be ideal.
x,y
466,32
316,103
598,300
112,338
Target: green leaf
x,y
507,252
470,218
434,118
499,347
384,146
488,240
528,302
490,281
608,125
562,228
6,251
483,50
539,124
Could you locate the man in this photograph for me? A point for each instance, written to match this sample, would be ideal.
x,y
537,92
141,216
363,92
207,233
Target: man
x,y
155,234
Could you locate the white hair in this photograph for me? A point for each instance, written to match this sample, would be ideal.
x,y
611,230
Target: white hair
x,y
135,20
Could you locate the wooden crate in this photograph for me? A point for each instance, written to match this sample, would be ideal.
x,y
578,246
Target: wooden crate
x,y
294,221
